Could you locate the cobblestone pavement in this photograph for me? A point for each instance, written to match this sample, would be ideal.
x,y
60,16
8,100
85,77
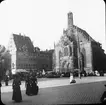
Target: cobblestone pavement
x,y
84,93
53,82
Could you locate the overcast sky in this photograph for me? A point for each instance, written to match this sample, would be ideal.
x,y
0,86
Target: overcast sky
x,y
44,20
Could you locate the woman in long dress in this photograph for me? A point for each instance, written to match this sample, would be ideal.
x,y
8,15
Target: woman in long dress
x,y
34,85
28,85
17,97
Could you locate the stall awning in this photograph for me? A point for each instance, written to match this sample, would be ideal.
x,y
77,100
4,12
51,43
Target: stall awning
x,y
21,70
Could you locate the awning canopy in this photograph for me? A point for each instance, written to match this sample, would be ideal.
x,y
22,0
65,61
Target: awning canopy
x,y
21,70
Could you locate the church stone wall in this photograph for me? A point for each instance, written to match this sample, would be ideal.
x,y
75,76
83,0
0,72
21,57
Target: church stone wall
x,y
81,40
85,44
57,65
88,56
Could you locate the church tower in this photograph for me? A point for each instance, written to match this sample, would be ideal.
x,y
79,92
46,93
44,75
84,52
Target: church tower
x,y
70,20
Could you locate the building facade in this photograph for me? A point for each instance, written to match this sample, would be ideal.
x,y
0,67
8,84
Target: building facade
x,y
25,56
22,53
44,60
74,51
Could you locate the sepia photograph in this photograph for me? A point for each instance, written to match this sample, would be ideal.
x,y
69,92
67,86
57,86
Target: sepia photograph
x,y
52,52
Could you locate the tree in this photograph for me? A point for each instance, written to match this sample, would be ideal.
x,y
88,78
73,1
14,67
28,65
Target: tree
x,y
5,61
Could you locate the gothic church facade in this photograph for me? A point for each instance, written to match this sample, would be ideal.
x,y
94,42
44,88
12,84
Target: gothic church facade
x,y
74,51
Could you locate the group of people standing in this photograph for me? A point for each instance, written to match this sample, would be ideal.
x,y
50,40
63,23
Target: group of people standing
x,y
30,84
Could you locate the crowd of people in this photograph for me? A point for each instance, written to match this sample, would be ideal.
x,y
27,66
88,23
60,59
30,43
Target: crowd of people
x,y
30,84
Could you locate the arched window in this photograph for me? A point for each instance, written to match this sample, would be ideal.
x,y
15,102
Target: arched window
x,y
60,54
84,57
65,51
63,64
70,51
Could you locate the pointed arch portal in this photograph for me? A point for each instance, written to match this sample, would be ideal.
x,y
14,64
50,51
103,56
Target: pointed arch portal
x,y
83,54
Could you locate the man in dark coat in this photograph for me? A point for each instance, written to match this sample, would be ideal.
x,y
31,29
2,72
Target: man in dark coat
x,y
0,89
17,97
0,84
6,80
103,97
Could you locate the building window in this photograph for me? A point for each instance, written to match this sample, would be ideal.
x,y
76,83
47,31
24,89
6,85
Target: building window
x,y
29,65
19,65
13,65
65,51
70,51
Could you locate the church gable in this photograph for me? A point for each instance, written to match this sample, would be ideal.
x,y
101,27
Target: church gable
x,y
82,34
65,40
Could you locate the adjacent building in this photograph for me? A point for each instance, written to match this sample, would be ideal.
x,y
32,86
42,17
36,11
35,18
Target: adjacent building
x,y
22,53
24,56
44,59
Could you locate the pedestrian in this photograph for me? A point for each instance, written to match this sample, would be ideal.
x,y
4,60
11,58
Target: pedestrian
x,y
103,97
0,84
34,85
6,80
72,80
17,97
28,85
0,89
71,77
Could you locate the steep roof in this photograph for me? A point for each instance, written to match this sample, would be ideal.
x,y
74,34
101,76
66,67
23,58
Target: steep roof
x,y
84,33
23,43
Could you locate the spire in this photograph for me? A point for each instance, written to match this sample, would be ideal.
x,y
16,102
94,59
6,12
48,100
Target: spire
x,y
70,20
